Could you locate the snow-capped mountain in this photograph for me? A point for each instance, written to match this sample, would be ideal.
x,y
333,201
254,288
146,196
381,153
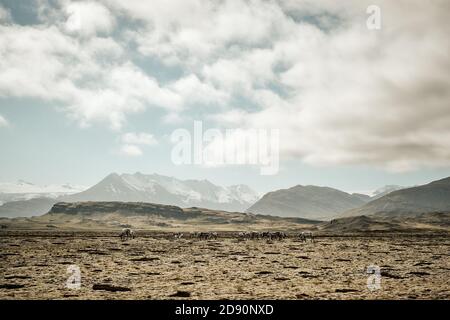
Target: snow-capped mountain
x,y
168,190
385,190
23,190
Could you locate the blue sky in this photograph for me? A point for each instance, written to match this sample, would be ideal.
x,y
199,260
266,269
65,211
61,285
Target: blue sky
x,y
93,87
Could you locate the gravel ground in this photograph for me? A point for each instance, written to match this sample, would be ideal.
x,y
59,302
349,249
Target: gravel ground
x,y
36,267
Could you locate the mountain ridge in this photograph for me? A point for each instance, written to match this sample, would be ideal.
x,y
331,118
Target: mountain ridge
x,y
152,188
430,197
312,202
157,188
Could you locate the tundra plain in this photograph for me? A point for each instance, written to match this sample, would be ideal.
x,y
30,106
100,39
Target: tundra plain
x,y
154,265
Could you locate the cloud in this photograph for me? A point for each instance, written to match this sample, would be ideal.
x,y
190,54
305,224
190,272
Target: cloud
x,y
3,121
88,18
197,32
338,92
139,138
132,143
5,15
360,97
196,93
90,80
130,150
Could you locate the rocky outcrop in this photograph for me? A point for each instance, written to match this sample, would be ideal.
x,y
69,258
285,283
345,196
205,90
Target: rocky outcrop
x,y
124,208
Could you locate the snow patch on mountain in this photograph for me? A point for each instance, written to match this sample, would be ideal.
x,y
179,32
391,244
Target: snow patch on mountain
x,y
23,187
169,190
24,190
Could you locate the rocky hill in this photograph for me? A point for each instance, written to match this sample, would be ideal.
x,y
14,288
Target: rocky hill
x,y
432,197
424,222
148,216
309,202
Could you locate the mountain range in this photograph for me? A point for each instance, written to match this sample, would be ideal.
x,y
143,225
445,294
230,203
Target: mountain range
x,y
307,202
139,187
161,189
24,190
324,203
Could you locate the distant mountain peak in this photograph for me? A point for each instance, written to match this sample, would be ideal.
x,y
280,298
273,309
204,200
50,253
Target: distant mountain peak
x,y
385,190
23,182
113,175
168,190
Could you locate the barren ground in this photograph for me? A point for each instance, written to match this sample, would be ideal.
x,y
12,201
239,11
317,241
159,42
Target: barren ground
x,y
34,266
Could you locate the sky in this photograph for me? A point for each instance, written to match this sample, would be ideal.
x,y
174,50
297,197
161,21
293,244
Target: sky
x,y
93,87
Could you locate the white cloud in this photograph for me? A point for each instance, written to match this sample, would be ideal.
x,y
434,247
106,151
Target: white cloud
x,y
139,138
198,31
3,121
360,97
88,18
130,150
44,63
339,93
125,89
132,142
196,93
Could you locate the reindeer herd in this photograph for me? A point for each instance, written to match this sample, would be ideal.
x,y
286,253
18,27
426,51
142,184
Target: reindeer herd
x,y
304,236
274,235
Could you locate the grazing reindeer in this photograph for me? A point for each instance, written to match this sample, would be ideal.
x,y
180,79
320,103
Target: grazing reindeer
x,y
178,235
126,234
255,235
265,235
194,235
278,235
304,236
244,235
207,235
203,235
247,235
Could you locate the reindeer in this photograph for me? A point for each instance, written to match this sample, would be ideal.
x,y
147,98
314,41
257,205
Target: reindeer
x,y
278,235
207,235
247,235
305,235
194,235
243,235
178,235
126,234
255,235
